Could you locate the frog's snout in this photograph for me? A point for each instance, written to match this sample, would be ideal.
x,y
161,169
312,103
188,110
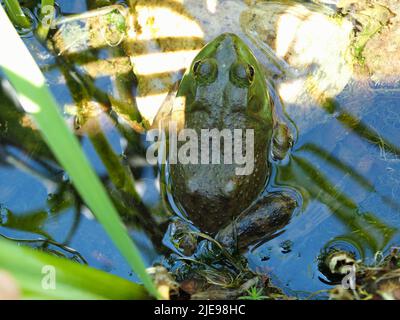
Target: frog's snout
x,y
227,43
227,36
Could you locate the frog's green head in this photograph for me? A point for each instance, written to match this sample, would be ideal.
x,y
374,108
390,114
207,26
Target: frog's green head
x,y
225,79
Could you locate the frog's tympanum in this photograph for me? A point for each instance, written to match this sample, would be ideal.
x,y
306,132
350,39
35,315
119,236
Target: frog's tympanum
x,y
225,89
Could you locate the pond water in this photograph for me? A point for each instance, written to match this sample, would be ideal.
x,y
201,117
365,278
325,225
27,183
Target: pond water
x,y
347,173
346,168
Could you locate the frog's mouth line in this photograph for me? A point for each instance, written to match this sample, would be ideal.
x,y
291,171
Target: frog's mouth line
x,y
187,147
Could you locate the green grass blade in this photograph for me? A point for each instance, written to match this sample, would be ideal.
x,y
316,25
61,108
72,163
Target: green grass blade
x,y
72,280
36,99
16,14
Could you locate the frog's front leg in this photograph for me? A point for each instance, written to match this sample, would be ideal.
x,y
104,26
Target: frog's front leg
x,y
260,222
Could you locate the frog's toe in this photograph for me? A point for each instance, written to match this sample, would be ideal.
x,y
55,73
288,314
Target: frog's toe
x,y
282,141
180,237
261,222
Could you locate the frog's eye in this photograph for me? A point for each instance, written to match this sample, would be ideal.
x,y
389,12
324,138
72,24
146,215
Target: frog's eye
x,y
205,71
242,74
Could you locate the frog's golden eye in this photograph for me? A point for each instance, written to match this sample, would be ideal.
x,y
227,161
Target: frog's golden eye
x,y
242,74
205,71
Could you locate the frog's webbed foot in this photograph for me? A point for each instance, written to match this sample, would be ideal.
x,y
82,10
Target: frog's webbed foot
x,y
260,222
282,141
180,237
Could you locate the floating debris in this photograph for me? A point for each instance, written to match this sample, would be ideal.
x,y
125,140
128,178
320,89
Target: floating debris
x,y
379,281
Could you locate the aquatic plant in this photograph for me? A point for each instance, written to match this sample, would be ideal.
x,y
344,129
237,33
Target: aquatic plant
x,y
33,269
36,99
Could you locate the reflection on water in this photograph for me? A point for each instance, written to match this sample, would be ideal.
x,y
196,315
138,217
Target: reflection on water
x,y
51,247
346,169
39,206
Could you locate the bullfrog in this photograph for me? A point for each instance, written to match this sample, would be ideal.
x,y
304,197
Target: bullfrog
x,y
225,90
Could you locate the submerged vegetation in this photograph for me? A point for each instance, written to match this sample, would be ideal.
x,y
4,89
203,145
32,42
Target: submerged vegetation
x,y
38,101
80,81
